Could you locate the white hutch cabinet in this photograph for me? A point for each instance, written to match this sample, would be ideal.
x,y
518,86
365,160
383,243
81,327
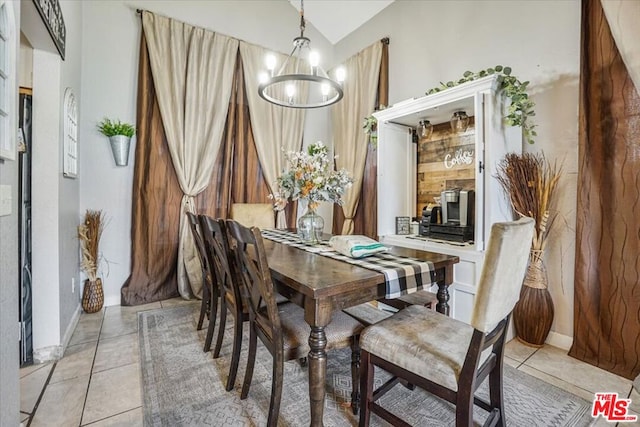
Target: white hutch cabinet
x,y
404,166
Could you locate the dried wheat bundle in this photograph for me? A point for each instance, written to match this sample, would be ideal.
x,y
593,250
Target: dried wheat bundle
x,y
89,233
531,182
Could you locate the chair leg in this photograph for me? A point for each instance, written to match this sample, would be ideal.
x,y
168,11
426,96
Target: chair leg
x,y
221,327
205,306
276,389
495,392
251,361
235,355
464,405
366,388
213,314
355,375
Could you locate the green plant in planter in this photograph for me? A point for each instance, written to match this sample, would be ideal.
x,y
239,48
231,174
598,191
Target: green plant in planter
x,y
521,108
112,128
370,125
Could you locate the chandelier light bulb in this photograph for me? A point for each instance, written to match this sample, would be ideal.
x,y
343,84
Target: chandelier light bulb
x,y
314,58
290,91
271,62
324,89
340,74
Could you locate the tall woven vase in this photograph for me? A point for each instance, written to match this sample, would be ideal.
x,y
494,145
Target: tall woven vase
x,y
92,296
533,314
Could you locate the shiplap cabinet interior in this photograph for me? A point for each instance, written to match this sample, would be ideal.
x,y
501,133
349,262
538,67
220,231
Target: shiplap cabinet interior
x,y
399,172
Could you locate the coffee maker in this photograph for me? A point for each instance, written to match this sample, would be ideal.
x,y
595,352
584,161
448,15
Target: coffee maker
x,y
458,214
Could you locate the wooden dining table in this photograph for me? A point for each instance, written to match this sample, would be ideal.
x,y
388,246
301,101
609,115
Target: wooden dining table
x,y
322,285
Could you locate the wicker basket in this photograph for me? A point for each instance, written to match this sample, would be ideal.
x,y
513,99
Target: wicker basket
x,y
92,296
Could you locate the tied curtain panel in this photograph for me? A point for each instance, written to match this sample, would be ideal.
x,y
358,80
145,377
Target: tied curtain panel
x,y
607,271
157,195
349,140
192,71
365,220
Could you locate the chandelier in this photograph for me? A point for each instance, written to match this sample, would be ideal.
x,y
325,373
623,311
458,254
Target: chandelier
x,y
289,90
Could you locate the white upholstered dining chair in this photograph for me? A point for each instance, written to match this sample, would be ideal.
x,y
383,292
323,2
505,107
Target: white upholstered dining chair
x,y
447,357
259,215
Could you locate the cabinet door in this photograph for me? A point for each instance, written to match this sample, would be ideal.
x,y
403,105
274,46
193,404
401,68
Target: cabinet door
x,y
396,176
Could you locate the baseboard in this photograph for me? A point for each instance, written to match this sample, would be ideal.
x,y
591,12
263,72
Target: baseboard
x,y
114,300
47,354
558,340
71,327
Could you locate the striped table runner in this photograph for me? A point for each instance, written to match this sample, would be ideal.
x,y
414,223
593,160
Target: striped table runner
x,y
403,275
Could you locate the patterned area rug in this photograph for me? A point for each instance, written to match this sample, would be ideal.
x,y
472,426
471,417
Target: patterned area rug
x,y
183,386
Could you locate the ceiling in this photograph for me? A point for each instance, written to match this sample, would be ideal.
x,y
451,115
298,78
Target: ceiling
x,y
337,19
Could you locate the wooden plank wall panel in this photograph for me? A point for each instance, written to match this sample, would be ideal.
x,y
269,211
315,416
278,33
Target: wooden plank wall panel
x,y
607,271
442,163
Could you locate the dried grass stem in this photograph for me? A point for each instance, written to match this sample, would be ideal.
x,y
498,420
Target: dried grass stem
x,y
89,233
531,182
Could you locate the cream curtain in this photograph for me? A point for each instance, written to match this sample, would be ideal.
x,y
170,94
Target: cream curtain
x,y
349,140
274,128
192,72
623,17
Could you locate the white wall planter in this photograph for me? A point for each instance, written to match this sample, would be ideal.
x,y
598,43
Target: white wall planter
x,y
120,147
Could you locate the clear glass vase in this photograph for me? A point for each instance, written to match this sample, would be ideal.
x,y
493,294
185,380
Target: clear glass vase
x,y
310,227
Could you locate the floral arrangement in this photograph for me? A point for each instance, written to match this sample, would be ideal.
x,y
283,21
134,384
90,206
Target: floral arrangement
x,y
311,177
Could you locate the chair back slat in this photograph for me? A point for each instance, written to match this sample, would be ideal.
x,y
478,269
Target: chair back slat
x,y
503,271
256,277
220,255
194,226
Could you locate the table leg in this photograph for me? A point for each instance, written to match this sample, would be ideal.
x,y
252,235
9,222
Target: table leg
x,y
317,373
443,299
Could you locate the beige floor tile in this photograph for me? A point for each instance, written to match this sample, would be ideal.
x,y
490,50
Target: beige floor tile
x,y
112,392
31,387
557,363
566,386
115,352
62,403
116,310
131,418
512,362
32,368
518,351
174,302
87,330
77,361
118,325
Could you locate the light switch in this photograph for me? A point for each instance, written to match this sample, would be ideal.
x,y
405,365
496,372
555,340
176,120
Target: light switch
x,y
5,200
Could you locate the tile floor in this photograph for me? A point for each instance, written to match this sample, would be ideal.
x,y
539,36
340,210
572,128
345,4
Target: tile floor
x,y
97,382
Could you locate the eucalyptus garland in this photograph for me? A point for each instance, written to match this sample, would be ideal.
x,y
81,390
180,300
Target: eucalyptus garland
x,y
521,108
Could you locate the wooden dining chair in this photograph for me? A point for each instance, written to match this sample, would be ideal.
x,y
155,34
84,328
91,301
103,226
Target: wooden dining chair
x,y
259,215
222,258
447,357
210,292
282,328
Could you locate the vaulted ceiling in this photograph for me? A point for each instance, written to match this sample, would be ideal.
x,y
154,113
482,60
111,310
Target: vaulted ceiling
x,y
336,19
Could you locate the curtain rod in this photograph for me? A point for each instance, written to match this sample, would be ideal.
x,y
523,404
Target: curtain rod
x,y
385,40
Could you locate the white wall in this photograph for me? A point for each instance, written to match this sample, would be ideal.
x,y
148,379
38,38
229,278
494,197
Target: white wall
x,y
55,199
433,41
111,38
9,356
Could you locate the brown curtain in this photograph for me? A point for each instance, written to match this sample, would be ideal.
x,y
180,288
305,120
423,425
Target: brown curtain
x,y
365,221
607,284
236,177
